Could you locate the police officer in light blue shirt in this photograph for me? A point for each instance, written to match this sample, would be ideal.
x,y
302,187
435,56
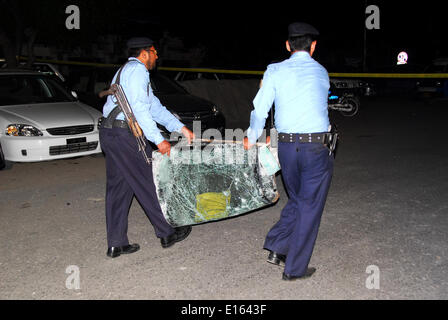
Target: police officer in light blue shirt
x,y
127,172
298,87
145,105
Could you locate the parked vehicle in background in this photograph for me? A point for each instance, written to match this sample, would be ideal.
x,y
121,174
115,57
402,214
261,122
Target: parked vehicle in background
x,y
434,87
40,120
183,76
185,106
47,68
346,102
43,67
355,86
393,86
198,75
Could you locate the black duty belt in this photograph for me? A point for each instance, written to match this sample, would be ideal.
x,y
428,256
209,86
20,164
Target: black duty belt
x,y
115,124
324,137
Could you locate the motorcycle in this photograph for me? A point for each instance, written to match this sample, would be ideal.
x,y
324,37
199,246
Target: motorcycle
x,y
347,103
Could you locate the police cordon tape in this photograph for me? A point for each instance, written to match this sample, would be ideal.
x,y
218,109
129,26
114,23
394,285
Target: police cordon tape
x,y
253,72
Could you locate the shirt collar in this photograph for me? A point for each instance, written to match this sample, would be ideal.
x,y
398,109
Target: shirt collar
x,y
300,55
135,59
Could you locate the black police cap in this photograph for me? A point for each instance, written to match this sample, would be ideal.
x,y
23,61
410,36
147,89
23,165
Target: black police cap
x,y
139,42
301,28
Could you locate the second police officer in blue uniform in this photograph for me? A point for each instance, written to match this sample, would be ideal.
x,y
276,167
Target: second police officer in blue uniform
x,y
298,87
127,172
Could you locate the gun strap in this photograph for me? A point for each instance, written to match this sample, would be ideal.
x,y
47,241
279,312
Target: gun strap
x,y
108,122
117,79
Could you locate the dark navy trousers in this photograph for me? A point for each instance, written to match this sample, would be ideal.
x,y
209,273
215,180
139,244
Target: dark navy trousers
x,y
307,169
127,175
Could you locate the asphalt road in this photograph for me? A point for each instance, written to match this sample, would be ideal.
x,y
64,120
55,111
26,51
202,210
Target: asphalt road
x,y
387,208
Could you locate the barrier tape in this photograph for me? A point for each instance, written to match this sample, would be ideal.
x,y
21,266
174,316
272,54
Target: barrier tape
x,y
252,72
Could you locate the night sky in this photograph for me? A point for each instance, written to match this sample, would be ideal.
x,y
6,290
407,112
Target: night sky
x,y
251,34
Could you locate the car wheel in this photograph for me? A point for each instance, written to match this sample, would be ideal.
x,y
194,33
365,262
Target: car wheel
x,y
354,106
4,164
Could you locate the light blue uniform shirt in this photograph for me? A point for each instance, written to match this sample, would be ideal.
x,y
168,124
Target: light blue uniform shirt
x,y
299,88
145,105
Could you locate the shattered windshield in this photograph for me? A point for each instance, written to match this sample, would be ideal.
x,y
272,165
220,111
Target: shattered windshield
x,y
197,185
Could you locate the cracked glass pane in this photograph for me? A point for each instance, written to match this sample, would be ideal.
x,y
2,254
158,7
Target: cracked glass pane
x,y
200,184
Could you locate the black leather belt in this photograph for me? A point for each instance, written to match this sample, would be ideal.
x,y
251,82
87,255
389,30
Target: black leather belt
x,y
324,137
115,124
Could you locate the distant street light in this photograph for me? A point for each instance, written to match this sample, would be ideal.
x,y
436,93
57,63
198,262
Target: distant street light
x,y
402,58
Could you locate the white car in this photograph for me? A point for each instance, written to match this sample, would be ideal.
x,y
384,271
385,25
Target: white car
x,y
40,120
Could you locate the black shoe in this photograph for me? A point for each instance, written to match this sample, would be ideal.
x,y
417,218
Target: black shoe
x,y
276,258
114,252
307,274
179,234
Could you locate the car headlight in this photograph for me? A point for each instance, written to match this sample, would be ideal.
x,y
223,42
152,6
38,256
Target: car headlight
x,y
99,122
22,130
215,111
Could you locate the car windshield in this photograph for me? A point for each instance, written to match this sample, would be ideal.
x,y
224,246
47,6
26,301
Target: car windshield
x,y
31,89
162,84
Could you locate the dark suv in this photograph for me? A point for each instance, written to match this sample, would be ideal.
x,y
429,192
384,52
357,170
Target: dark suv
x,y
88,82
185,106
